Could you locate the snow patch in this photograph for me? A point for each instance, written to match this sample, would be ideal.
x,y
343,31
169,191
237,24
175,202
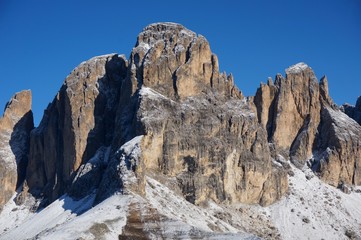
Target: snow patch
x,y
144,46
97,58
151,93
28,225
129,154
297,68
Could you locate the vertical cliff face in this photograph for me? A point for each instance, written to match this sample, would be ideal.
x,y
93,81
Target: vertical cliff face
x,y
290,110
15,127
304,124
213,149
338,153
75,124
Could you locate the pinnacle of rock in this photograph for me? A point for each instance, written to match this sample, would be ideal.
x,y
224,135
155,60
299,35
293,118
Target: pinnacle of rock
x,y
15,127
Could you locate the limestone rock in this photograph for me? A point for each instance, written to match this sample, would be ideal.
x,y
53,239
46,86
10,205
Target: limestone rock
x,y
303,122
177,63
214,149
15,127
265,101
75,124
290,111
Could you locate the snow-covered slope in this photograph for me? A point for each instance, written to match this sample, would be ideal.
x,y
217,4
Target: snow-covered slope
x,y
311,210
315,210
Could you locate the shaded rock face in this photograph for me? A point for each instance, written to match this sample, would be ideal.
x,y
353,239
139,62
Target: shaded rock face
x,y
338,149
75,124
15,127
304,124
353,112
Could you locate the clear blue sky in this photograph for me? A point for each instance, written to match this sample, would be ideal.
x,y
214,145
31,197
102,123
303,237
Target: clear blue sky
x,y
41,41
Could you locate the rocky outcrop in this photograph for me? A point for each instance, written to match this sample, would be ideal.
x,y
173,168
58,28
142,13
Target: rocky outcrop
x,y
338,151
304,124
15,127
75,124
353,112
290,111
213,149
177,63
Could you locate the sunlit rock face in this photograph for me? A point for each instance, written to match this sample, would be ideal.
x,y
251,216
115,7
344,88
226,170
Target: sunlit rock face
x,y
304,124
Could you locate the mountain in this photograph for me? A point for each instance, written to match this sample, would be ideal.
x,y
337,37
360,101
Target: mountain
x,y
164,145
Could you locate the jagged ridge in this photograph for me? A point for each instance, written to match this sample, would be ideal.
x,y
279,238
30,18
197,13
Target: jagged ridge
x,y
168,113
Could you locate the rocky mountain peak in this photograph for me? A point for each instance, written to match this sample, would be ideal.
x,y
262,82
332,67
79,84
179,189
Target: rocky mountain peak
x,y
15,127
177,63
167,119
165,31
16,108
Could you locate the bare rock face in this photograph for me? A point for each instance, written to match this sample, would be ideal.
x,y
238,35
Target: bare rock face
x,y
177,63
290,111
198,131
338,150
15,127
75,124
213,149
304,124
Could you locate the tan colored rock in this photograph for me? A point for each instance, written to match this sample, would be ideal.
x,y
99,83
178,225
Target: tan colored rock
x,y
298,113
214,149
290,111
177,63
15,127
303,122
76,124
198,130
